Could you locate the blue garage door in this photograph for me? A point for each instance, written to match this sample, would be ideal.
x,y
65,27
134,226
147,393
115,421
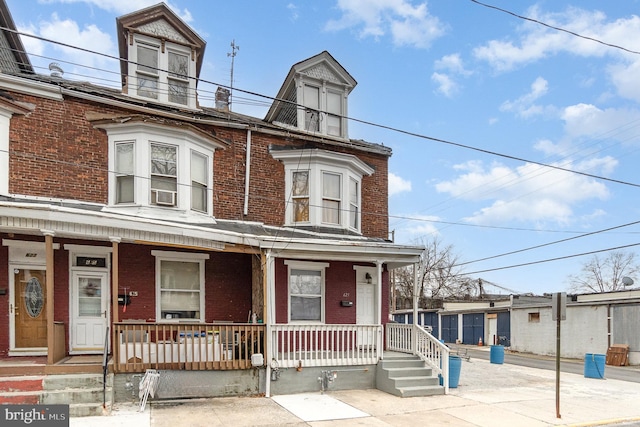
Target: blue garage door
x,y
429,319
504,328
449,328
472,328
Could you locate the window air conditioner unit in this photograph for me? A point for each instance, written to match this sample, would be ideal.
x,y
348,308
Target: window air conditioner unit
x,y
165,198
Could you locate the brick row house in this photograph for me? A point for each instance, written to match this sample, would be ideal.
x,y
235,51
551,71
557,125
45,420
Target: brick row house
x,y
222,249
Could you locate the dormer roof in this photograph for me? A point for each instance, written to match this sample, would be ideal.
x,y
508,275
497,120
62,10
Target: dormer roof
x,y
321,67
161,23
13,57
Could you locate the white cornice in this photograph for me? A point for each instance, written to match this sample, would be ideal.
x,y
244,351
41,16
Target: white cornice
x,y
30,87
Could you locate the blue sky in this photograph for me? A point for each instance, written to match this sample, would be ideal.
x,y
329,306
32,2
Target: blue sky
x,y
448,70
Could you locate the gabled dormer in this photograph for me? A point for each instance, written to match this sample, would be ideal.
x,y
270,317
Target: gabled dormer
x,y
162,56
314,97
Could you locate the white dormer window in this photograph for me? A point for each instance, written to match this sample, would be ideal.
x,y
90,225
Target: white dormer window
x,y
164,71
313,98
323,188
323,110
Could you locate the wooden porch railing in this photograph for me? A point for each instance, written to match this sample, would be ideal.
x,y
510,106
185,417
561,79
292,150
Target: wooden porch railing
x,y
138,346
295,345
416,340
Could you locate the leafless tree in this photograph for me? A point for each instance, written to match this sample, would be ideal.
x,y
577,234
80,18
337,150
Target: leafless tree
x,y
439,277
604,274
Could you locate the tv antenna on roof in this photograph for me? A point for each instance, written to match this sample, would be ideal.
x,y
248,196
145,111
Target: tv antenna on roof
x,y
232,54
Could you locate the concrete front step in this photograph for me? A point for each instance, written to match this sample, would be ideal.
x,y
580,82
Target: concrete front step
x,y
406,375
83,393
421,391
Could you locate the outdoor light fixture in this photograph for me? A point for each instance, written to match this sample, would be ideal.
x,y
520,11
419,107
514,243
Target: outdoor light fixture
x,y
368,278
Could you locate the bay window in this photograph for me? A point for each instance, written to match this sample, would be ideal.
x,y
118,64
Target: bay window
x,y
322,188
162,167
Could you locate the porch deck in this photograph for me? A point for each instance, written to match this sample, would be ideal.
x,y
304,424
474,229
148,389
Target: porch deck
x,y
37,365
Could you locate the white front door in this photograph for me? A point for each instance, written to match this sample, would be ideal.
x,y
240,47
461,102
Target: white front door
x,y
365,313
89,318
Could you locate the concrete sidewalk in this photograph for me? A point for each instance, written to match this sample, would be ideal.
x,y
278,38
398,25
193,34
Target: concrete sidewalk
x,y
487,395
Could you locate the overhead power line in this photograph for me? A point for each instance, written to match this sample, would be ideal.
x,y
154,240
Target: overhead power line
x,y
564,30
553,259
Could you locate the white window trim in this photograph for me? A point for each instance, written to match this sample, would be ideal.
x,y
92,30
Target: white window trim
x,y
143,135
306,265
163,70
319,161
324,88
182,257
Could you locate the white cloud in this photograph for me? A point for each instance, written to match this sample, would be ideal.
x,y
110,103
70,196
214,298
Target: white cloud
x,y
408,25
625,79
68,32
525,105
445,84
398,184
122,7
452,63
449,66
537,42
587,120
529,193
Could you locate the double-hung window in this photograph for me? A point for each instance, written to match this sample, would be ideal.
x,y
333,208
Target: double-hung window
x,y
199,181
163,71
125,179
331,198
164,174
178,78
312,108
147,71
306,291
180,285
334,113
300,195
354,204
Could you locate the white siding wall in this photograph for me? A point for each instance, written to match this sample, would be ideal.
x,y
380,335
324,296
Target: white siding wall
x,y
584,331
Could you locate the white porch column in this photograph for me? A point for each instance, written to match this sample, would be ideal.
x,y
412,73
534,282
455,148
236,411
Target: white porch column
x,y
270,316
379,290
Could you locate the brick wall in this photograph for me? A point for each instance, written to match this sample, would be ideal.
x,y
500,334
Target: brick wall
x,y
56,152
340,278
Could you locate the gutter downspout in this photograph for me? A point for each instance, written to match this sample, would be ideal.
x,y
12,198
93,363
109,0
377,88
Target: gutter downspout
x,y
247,174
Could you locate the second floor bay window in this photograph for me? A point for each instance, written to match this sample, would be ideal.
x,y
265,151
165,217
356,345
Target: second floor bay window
x,y
322,188
158,166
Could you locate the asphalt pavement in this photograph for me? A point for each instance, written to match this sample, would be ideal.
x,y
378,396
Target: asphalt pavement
x,y
488,394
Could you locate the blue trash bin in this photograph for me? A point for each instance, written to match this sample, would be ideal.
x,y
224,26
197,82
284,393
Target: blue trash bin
x,y
594,365
455,365
497,354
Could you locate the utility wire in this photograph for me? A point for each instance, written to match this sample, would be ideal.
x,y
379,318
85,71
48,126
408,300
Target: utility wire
x,y
549,244
553,259
556,28
390,128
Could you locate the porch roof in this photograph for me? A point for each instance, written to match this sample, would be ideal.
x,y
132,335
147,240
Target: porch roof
x,y
93,222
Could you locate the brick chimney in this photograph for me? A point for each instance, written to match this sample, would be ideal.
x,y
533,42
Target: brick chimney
x,y
222,99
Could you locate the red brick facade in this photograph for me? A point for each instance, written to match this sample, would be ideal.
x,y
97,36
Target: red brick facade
x,y
57,153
